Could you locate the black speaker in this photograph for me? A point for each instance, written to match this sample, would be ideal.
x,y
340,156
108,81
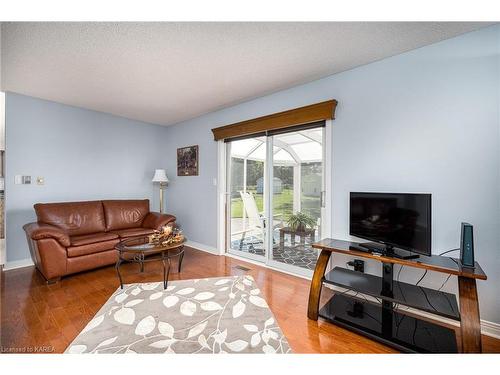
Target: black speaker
x,y
467,246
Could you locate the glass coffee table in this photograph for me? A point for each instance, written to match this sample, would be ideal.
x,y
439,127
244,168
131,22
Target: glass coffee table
x,y
136,249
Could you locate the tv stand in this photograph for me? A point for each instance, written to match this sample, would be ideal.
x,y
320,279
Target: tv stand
x,y
385,250
384,321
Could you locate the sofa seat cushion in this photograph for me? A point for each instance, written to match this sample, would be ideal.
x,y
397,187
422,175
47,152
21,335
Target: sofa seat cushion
x,y
132,232
92,248
92,238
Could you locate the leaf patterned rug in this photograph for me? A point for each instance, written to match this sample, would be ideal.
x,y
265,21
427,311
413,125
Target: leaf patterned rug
x,y
215,315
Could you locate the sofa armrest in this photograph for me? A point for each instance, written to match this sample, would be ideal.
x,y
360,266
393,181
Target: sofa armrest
x,y
155,220
39,231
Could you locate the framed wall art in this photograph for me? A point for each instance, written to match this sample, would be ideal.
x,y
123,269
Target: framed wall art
x,y
187,161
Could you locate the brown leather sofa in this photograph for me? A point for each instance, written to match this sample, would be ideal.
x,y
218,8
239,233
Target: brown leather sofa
x,y
76,236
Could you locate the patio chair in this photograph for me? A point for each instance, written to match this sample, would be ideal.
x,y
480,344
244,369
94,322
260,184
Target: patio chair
x,y
256,219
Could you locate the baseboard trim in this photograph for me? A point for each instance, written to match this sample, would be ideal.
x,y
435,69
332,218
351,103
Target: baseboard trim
x,y
2,252
251,261
487,328
18,264
202,247
490,329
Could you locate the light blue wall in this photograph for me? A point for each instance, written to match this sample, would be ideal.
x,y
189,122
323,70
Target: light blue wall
x,y
82,155
423,121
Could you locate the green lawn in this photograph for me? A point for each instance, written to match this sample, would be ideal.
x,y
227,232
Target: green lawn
x,y
282,203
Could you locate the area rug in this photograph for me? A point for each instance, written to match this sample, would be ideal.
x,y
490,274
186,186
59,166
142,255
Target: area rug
x,y
215,315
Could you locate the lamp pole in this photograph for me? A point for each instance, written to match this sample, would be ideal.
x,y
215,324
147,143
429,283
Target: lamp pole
x,y
161,178
162,187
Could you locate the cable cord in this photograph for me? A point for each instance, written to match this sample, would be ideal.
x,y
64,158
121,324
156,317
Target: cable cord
x,y
418,282
449,251
425,273
397,278
444,283
399,285
427,298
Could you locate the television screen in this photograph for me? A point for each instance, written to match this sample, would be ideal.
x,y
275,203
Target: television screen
x,y
396,219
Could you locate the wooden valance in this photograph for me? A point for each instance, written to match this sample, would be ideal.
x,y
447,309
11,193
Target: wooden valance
x,y
281,120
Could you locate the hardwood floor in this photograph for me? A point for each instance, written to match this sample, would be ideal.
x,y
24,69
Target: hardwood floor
x,y
49,317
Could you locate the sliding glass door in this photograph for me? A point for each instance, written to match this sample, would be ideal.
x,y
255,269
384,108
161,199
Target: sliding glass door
x,y
246,165
275,195
296,199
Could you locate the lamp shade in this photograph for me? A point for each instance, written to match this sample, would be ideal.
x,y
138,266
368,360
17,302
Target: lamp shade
x,y
160,176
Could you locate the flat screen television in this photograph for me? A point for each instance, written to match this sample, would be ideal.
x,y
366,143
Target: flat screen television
x,y
395,220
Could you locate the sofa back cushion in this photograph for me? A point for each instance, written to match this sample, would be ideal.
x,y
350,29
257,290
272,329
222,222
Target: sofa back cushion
x,y
124,214
76,218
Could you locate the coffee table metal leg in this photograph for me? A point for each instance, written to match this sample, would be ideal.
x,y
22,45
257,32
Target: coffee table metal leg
x,y
168,273
117,266
181,257
142,262
164,270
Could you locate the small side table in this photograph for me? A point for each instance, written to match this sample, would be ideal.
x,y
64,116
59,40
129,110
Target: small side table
x,y
292,232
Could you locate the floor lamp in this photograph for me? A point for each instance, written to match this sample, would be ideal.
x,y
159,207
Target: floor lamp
x,y
161,178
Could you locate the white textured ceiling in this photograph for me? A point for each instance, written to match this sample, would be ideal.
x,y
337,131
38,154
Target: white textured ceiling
x,y
165,73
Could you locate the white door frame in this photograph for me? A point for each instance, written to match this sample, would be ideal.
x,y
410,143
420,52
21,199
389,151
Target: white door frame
x,y
224,206
222,199
3,249
327,227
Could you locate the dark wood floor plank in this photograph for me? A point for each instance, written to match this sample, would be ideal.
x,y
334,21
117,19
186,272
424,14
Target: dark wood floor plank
x,y
36,314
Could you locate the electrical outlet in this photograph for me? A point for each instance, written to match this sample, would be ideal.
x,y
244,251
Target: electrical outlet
x,y
357,264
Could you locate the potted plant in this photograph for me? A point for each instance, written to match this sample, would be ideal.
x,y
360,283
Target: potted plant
x,y
300,221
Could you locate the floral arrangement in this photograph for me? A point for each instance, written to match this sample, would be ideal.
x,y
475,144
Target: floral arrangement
x,y
166,236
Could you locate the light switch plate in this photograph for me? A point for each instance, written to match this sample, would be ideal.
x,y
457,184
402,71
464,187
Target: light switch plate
x,y
22,180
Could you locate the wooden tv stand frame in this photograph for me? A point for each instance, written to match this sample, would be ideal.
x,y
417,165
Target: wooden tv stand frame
x,y
468,299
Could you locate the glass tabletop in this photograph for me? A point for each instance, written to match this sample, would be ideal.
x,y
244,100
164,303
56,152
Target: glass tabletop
x,y
143,244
